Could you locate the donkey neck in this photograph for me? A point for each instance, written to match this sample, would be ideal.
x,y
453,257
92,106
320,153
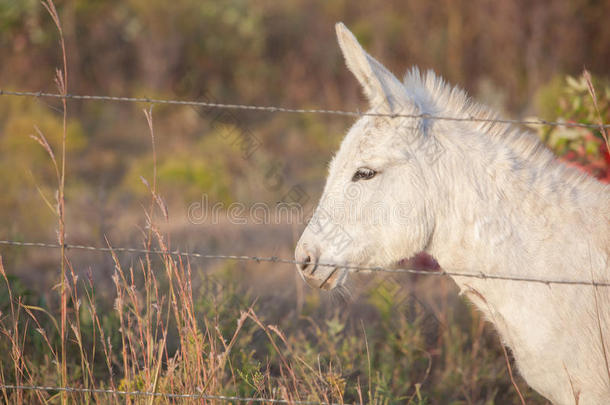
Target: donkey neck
x,y
509,205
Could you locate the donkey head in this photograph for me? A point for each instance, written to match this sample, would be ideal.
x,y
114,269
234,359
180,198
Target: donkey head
x,y
376,208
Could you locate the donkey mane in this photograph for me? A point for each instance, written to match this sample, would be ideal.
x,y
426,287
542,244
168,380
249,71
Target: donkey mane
x,y
434,96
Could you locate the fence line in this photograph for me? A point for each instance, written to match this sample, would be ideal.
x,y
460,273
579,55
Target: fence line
x,y
274,259
276,109
158,394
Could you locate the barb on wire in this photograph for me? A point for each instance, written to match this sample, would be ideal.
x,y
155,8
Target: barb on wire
x,y
158,394
276,109
274,259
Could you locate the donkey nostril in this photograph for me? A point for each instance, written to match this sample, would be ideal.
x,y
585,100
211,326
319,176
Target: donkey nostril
x,y
306,259
303,265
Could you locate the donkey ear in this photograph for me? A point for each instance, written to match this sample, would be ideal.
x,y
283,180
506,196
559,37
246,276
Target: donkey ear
x,y
383,90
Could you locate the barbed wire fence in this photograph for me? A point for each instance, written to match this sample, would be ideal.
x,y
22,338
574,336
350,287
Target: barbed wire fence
x,y
271,259
274,259
280,109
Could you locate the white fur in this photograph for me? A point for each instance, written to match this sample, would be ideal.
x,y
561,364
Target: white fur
x,y
493,200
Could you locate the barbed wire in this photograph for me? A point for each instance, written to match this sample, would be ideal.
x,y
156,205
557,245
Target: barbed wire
x,y
276,109
274,259
159,394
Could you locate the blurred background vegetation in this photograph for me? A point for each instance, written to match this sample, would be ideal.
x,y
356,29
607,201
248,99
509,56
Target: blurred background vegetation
x,y
523,58
512,55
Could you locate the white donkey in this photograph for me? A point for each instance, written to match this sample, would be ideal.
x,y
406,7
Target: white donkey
x,y
479,197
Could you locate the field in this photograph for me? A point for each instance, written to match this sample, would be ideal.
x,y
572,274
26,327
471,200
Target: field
x,y
113,323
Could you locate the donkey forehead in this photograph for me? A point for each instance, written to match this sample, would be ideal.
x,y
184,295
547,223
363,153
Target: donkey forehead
x,y
371,134
371,140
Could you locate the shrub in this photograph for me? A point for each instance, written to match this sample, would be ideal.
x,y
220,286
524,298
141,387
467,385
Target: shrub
x,y
584,148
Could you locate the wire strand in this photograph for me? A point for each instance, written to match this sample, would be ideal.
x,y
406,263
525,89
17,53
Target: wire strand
x,y
276,109
158,394
274,259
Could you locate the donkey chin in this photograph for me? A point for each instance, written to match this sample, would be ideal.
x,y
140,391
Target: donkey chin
x,y
327,278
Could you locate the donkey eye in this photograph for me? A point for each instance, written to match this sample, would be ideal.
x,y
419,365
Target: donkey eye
x,y
364,173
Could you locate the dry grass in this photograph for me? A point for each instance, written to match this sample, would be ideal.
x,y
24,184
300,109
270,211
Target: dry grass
x,y
168,331
163,335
